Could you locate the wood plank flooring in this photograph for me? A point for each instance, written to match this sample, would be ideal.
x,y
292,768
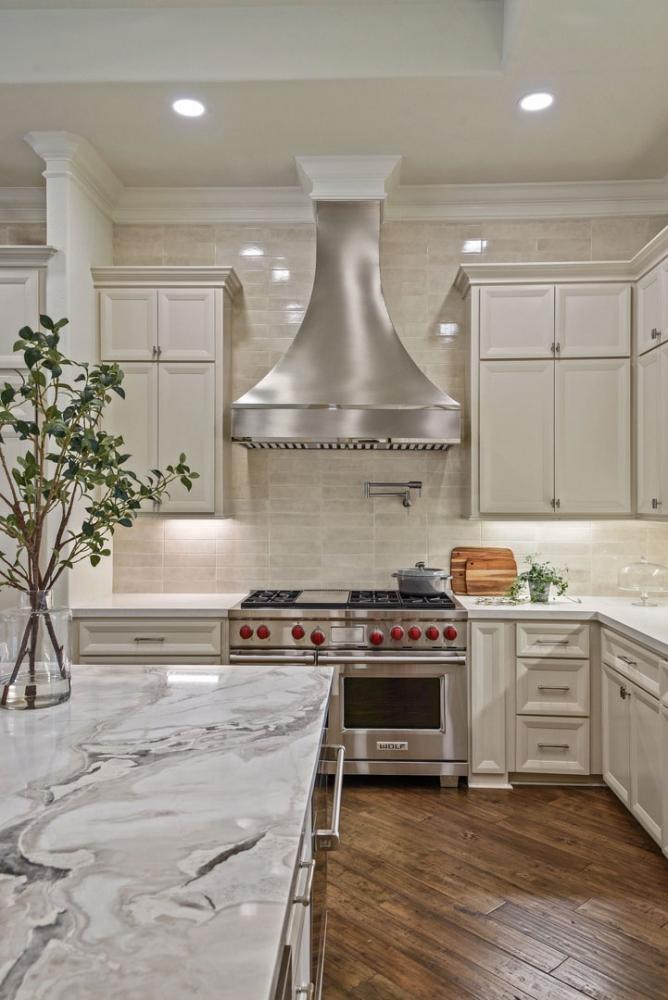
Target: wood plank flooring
x,y
543,893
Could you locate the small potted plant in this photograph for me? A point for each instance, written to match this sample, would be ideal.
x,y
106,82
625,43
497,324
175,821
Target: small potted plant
x,y
59,504
540,578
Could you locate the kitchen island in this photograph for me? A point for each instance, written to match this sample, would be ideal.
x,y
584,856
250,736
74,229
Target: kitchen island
x,y
151,829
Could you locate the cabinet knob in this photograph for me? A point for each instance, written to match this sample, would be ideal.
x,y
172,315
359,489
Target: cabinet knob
x,y
656,503
624,692
655,334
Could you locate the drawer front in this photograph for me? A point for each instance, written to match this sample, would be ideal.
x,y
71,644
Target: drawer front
x,y
553,687
178,660
552,746
631,660
552,639
157,637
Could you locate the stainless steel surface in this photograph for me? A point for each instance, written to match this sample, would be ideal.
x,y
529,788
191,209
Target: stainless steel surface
x,y
280,658
372,659
421,579
308,991
328,839
304,897
346,380
402,490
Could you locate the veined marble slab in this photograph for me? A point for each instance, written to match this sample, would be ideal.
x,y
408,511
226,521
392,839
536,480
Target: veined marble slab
x,y
149,831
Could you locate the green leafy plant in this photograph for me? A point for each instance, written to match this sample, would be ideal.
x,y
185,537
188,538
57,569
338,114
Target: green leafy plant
x,y
540,576
70,466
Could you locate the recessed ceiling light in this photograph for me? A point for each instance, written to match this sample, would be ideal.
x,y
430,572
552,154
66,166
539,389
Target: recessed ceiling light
x,y
189,108
536,102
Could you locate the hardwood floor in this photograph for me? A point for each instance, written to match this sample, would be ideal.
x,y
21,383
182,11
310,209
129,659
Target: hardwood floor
x,y
544,893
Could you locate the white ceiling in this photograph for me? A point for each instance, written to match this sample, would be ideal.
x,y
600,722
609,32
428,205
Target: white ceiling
x,y
436,82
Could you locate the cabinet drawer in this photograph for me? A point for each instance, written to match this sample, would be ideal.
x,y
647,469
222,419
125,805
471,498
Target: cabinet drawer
x,y
562,639
553,687
156,637
634,662
554,746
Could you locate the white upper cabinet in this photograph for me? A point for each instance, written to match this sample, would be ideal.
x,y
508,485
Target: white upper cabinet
x,y
593,436
593,320
22,279
516,437
651,468
135,418
128,324
651,319
186,324
516,321
186,421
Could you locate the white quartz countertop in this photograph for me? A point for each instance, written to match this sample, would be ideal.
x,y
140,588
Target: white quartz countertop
x,y
157,606
646,625
150,830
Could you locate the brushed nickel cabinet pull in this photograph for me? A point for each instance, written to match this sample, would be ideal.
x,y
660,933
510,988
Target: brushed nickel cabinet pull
x,y
553,642
554,687
628,661
305,897
655,334
149,638
554,746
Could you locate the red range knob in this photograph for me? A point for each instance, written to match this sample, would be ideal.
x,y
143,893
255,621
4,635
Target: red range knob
x,y
317,637
414,632
376,637
298,632
263,632
433,633
450,632
397,632
245,632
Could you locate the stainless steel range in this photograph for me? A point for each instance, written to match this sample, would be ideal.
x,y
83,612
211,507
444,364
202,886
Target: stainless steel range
x,y
399,695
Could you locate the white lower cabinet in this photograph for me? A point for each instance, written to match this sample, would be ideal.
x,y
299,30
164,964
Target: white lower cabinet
x,y
160,640
552,745
491,654
664,764
632,748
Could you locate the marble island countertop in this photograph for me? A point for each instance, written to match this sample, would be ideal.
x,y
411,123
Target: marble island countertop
x,y
150,830
646,625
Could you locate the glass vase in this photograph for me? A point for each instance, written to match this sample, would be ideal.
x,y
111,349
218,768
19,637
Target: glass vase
x,y
35,658
539,593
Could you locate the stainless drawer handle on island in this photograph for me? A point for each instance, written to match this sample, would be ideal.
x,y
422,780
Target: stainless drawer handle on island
x,y
329,839
305,897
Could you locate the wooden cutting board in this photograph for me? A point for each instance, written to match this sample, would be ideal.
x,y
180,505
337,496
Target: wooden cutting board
x,y
460,556
490,576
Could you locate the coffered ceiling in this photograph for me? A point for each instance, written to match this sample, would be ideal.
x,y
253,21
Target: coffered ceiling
x,y
436,81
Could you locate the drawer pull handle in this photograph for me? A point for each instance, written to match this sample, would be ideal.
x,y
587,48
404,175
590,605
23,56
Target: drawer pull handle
x,y
149,638
624,692
553,642
554,746
628,661
306,991
553,687
305,897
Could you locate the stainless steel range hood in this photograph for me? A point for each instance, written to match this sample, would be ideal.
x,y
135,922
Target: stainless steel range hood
x,y
346,381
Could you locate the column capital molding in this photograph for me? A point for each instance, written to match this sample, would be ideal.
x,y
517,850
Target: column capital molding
x,y
68,155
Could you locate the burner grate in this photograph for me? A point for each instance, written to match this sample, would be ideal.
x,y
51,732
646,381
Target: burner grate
x,y
271,598
374,599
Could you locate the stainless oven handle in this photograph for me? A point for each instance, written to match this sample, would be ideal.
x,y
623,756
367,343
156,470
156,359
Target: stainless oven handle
x,y
325,658
328,840
292,659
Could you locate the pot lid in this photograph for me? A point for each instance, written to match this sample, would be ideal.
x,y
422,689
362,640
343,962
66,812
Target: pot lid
x,y
420,570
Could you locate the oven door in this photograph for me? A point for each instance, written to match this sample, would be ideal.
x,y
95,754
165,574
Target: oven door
x,y
403,707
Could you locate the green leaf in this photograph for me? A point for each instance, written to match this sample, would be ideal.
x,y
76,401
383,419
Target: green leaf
x,y
46,322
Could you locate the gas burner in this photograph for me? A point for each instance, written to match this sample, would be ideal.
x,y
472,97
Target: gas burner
x,y
426,601
374,599
270,599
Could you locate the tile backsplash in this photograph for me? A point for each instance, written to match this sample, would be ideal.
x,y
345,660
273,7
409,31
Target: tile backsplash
x,y
301,518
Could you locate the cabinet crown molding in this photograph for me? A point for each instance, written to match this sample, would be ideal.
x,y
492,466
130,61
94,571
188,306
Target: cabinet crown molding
x,y
167,276
26,256
69,155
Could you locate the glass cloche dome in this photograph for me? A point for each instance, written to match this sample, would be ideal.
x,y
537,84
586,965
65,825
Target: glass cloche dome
x,y
644,578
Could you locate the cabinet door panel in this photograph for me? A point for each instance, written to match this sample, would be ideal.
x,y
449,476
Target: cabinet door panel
x,y
616,733
517,321
136,416
128,324
186,324
516,437
592,436
593,321
646,788
491,664
19,306
664,766
650,305
186,422
649,428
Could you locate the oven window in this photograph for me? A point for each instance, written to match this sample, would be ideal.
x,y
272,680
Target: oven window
x,y
392,702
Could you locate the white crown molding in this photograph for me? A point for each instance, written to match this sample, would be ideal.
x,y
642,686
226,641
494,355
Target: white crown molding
x,y
68,155
212,205
26,256
166,276
348,178
571,199
22,204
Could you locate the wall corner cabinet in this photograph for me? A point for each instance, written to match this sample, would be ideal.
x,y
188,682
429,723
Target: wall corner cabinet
x,y
169,329
550,371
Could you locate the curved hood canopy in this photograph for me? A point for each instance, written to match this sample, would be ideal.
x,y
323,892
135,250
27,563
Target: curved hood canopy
x,y
346,381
